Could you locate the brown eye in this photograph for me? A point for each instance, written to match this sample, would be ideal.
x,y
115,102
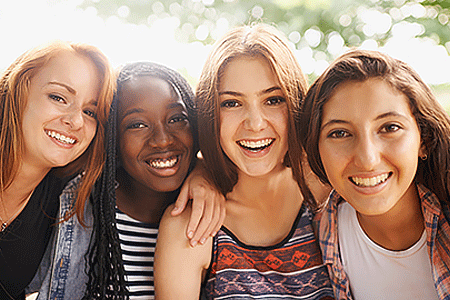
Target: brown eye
x,y
57,98
391,128
229,104
136,125
275,100
338,134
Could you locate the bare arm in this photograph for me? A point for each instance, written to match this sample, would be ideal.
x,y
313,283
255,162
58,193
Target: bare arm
x,y
179,268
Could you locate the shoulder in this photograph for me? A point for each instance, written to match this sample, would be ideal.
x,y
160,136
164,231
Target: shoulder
x,y
172,237
169,222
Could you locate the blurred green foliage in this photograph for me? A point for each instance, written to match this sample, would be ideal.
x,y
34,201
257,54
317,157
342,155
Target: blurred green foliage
x,y
348,20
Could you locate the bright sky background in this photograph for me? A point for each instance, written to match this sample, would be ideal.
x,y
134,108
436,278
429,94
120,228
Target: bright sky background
x,y
27,23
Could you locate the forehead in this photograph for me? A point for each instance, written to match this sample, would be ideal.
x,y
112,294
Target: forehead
x,y
247,73
148,89
365,99
70,68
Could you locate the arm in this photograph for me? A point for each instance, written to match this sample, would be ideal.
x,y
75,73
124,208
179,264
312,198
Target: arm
x,y
179,268
208,206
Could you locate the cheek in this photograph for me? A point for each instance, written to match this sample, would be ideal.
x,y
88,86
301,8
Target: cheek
x,y
330,159
91,129
186,139
224,132
128,147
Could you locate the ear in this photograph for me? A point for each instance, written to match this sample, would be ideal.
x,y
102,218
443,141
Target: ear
x,y
423,153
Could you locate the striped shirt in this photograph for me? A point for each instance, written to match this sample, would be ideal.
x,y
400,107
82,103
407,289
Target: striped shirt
x,y
137,241
437,228
292,269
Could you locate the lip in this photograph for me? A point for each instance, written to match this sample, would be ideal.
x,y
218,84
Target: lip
x,y
255,148
62,139
370,183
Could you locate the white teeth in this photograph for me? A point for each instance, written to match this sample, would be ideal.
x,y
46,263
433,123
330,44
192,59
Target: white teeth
x,y
369,182
164,163
60,137
255,144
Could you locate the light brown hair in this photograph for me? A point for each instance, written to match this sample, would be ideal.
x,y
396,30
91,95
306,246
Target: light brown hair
x,y
431,118
14,89
259,40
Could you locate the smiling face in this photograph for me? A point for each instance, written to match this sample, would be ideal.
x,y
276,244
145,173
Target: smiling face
x,y
155,138
369,145
59,119
253,116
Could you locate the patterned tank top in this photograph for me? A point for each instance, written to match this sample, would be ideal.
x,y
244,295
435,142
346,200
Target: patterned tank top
x,y
292,269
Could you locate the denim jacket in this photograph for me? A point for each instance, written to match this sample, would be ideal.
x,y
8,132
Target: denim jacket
x,y
61,275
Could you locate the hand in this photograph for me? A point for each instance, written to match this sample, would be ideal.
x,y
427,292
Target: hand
x,y
208,206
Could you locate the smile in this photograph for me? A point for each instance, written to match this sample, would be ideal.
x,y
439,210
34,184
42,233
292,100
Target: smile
x,y
164,163
255,146
61,138
371,181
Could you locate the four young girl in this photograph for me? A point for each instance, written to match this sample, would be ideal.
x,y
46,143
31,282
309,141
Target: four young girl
x,y
370,128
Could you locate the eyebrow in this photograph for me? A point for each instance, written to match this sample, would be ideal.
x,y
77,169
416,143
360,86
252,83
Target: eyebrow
x,y
238,94
70,89
132,111
382,116
175,104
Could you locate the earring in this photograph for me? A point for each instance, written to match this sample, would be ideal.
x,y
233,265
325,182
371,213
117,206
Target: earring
x,y
424,157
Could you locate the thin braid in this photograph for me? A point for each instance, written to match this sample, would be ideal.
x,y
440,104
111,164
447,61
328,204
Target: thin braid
x,y
106,272
104,259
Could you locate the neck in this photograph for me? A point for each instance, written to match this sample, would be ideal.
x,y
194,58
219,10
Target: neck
x,y
139,201
25,181
264,190
16,196
398,229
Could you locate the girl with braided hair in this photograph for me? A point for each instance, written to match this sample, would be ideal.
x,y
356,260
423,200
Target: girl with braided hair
x,y
152,136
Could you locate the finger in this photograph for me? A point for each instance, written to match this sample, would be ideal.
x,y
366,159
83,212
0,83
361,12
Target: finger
x,y
198,206
215,223
182,200
204,224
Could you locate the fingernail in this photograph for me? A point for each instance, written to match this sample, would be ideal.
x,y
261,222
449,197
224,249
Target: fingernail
x,y
193,244
175,208
202,241
190,234
213,234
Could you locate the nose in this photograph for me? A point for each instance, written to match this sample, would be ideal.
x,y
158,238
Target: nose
x,y
367,153
255,119
160,137
74,118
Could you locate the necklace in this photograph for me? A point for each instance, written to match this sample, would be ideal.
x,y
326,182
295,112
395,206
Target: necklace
x,y
4,224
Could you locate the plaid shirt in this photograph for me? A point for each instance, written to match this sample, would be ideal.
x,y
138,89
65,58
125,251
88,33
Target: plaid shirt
x,y
438,243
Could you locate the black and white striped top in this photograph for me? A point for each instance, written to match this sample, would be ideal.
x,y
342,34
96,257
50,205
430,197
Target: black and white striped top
x,y
137,240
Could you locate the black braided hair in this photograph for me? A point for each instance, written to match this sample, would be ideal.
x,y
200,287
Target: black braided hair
x,y
104,259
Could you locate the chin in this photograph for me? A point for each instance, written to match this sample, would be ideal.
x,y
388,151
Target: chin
x,y
167,186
